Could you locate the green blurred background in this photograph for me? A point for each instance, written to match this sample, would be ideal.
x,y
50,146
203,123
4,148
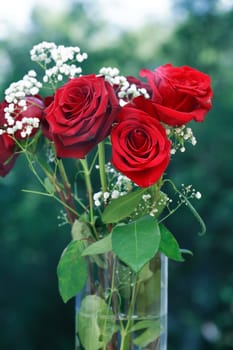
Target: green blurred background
x,y
199,33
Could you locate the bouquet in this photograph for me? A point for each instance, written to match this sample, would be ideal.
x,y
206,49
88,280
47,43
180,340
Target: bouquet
x,y
100,145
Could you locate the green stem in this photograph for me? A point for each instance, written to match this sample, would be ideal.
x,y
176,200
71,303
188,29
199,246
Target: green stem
x,y
171,212
67,187
189,205
125,334
63,173
68,207
102,171
60,201
195,214
87,176
112,260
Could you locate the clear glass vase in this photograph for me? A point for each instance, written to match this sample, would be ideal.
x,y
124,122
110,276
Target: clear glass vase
x,y
121,310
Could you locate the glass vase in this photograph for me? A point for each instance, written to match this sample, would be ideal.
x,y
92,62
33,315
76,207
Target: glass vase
x,y
121,310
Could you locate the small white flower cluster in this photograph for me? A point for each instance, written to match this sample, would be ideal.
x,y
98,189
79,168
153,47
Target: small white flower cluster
x,y
16,97
122,186
62,218
162,202
181,134
58,61
17,91
150,206
112,75
50,153
25,126
130,91
98,198
143,205
189,192
126,91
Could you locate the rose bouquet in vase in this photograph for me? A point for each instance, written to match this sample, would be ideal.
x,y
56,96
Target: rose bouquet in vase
x,y
100,145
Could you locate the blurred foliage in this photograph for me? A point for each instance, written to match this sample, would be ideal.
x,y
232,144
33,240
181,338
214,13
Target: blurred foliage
x,y
32,315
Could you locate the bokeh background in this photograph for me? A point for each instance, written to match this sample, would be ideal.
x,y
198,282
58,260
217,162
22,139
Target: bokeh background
x,y
197,33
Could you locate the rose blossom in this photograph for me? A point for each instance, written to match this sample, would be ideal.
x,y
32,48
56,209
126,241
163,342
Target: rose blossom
x,y
81,115
140,147
44,124
179,94
7,146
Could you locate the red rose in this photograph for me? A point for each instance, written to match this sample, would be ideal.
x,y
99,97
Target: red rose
x,y
140,147
44,124
7,146
7,155
180,94
81,115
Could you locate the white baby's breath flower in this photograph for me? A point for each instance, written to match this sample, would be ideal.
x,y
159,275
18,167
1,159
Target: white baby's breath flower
x,y
193,141
106,195
58,60
45,79
97,195
115,194
198,195
145,197
122,103
97,203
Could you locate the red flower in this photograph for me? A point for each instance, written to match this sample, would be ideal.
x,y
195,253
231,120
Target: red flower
x,y
140,147
44,124
7,146
81,115
179,94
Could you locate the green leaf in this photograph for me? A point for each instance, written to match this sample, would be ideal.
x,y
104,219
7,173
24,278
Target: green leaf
x,y
145,324
145,274
149,294
72,270
80,230
96,323
100,247
149,335
169,245
137,242
122,207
